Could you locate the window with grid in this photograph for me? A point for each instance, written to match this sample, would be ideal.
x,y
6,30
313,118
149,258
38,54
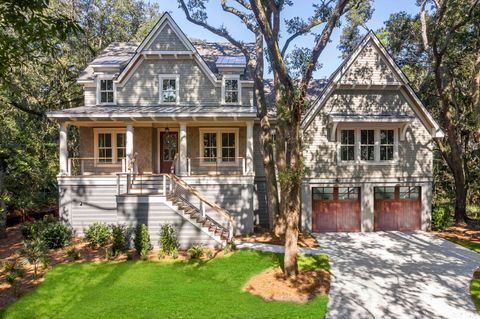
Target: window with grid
x,y
228,147
322,193
384,192
367,145
345,193
231,90
169,90
347,145
409,192
210,147
121,146
106,91
386,145
105,148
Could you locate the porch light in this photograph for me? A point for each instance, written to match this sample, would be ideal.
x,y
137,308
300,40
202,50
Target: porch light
x,y
167,130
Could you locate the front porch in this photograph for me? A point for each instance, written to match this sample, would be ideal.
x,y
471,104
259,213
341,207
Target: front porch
x,y
195,148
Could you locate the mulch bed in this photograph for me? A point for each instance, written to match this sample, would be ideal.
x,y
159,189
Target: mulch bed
x,y
460,232
264,236
272,285
12,243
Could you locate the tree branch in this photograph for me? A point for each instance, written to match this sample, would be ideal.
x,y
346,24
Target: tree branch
x,y
218,31
320,45
241,15
423,22
24,108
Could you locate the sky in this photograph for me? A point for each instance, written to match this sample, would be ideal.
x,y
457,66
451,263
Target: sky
x,y
330,58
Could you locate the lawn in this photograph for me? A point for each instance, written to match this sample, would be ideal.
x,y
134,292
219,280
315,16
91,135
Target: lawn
x,y
179,289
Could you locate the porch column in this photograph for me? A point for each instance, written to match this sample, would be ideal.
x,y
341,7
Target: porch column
x,y
63,148
249,150
183,149
129,146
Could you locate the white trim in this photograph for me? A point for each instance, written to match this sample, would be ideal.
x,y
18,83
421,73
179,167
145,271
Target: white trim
x,y
357,146
161,78
163,21
239,88
101,77
114,132
435,129
218,131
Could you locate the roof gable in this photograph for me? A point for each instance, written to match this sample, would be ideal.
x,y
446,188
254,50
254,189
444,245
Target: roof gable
x,y
370,53
166,39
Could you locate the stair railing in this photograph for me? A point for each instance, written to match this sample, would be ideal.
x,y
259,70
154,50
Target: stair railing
x,y
183,189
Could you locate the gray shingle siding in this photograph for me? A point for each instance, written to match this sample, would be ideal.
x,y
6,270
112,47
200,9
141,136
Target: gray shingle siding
x,y
166,40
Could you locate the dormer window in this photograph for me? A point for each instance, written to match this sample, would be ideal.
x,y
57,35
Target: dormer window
x,y
169,88
105,90
231,89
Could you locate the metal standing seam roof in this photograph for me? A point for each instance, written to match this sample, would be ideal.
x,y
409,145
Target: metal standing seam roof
x,y
231,60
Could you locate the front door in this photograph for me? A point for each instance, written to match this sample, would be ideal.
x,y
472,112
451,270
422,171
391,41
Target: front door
x,y
168,149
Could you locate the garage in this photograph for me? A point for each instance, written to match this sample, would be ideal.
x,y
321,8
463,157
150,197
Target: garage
x,y
397,208
336,209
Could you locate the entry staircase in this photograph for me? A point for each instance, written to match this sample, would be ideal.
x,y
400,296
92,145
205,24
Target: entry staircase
x,y
186,200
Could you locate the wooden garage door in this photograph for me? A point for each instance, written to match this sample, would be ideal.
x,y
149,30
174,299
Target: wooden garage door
x,y
336,209
397,208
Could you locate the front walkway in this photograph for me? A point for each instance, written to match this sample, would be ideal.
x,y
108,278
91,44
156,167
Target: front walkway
x,y
398,275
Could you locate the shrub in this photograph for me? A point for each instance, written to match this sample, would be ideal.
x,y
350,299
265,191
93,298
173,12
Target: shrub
x,y
442,217
35,252
15,266
30,230
119,239
142,241
98,234
168,240
56,234
196,251
73,253
229,247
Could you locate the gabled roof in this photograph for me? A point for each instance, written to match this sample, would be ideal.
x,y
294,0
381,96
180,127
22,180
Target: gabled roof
x,y
335,78
125,54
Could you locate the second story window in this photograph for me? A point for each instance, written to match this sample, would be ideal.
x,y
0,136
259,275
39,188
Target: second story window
x,y
231,89
169,89
387,141
106,91
347,146
367,145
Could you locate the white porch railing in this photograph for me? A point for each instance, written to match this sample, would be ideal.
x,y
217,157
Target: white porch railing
x,y
77,166
216,166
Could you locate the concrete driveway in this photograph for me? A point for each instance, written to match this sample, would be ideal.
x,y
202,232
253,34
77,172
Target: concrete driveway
x,y
398,275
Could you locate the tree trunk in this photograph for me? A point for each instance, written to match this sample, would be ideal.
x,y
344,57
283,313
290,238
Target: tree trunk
x,y
291,232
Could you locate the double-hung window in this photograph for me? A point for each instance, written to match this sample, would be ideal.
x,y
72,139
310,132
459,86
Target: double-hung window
x,y
367,145
169,88
347,146
387,141
105,90
110,146
219,145
231,89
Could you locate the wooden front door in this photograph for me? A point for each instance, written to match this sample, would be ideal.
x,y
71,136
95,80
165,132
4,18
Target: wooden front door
x,y
336,209
168,149
397,208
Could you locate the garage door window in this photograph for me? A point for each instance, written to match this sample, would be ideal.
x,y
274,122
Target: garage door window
x,y
346,193
410,192
384,192
323,193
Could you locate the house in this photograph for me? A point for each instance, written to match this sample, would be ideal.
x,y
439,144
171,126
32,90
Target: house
x,y
169,133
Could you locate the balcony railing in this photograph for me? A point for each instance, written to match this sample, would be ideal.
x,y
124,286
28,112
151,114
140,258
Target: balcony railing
x,y
216,166
77,166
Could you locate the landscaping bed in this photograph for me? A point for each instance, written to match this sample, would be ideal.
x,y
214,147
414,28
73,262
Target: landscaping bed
x,y
462,235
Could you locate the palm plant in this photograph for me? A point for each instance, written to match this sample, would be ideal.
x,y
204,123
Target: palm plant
x,y
34,252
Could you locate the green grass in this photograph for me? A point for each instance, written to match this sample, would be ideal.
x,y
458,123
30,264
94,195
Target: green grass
x,y
475,292
179,289
466,243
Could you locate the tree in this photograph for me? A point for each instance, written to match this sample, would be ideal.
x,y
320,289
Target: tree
x,y
443,63
291,81
43,77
